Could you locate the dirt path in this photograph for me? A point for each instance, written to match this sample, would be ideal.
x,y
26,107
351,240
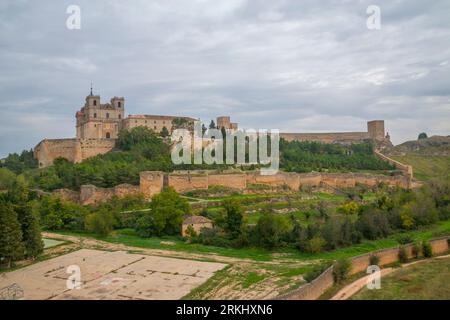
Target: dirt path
x,y
357,285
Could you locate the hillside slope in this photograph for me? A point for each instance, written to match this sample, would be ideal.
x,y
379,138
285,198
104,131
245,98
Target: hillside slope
x,y
429,157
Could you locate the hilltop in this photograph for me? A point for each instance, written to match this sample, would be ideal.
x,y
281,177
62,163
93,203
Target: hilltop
x,y
433,146
430,157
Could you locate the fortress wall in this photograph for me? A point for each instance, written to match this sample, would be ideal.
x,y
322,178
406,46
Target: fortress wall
x,y
90,194
151,183
325,137
280,179
93,147
67,194
188,181
74,150
236,181
339,180
310,179
407,169
48,150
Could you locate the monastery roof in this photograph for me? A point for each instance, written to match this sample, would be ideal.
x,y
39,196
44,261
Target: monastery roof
x,y
196,219
152,116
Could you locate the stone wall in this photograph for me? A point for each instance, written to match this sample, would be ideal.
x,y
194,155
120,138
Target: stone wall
x,y
151,183
74,150
406,169
90,194
317,287
234,180
183,182
331,137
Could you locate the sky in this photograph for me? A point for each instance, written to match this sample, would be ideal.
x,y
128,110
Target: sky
x,y
292,65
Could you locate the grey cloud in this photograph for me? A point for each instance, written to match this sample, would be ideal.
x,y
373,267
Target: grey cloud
x,y
294,65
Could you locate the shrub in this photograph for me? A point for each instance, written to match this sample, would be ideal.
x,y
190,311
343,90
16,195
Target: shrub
x,y
100,222
316,244
427,250
374,260
404,239
402,255
341,270
315,272
416,250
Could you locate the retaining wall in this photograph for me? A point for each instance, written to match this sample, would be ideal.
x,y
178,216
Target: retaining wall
x,y
317,287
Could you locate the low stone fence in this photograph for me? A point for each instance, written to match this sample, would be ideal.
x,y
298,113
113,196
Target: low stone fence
x,y
317,287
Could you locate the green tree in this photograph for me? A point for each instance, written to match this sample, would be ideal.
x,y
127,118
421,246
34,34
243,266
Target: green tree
x,y
422,135
164,132
100,222
11,246
212,125
272,229
31,231
166,215
233,217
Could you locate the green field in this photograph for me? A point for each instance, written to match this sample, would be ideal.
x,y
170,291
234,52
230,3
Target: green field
x,y
428,280
128,237
427,167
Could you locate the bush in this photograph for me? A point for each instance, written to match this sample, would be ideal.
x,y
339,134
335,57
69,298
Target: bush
x,y
416,250
315,272
341,270
271,229
374,260
427,250
404,239
315,244
100,222
402,255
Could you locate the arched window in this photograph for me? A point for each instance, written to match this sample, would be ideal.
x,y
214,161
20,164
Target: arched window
x,y
95,102
119,104
108,135
107,115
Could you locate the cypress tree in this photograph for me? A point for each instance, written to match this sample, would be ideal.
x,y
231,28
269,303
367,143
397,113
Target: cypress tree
x,y
11,246
31,231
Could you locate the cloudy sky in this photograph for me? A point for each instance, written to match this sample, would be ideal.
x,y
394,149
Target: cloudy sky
x,y
300,66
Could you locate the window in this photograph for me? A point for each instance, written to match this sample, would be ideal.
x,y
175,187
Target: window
x,y
95,102
107,115
154,121
108,135
119,104
95,115
120,116
154,127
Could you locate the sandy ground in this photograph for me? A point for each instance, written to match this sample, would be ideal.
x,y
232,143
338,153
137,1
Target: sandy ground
x,y
111,275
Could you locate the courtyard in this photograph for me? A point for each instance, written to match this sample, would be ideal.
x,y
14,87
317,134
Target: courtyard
x,y
110,275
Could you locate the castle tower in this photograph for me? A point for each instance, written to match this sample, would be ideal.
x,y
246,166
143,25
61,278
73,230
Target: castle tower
x,y
375,129
100,121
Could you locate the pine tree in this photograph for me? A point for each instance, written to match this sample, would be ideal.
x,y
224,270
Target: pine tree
x,y
11,246
31,231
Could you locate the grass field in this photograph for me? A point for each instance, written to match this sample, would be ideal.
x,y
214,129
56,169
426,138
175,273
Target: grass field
x,y
128,237
427,167
428,280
